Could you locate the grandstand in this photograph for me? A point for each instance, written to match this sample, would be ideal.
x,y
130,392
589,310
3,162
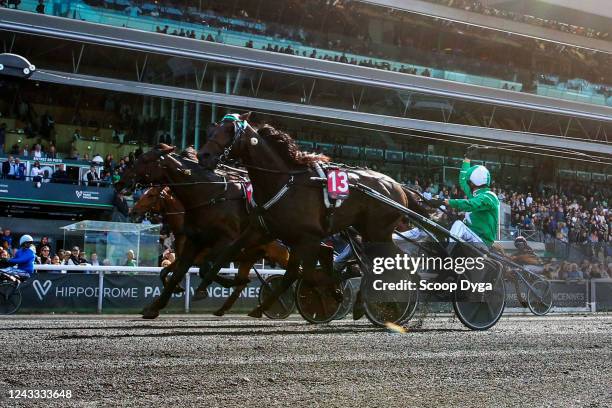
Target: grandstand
x,y
393,89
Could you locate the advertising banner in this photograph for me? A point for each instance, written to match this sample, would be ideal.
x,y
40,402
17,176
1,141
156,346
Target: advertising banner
x,y
75,292
572,294
602,294
16,191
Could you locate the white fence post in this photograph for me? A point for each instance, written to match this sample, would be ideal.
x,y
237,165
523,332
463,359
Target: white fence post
x,y
100,290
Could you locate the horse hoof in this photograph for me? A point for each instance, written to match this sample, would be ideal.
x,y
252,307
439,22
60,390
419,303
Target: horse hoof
x,y
199,295
219,312
256,313
149,313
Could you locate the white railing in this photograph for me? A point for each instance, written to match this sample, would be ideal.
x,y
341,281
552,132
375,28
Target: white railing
x,y
101,270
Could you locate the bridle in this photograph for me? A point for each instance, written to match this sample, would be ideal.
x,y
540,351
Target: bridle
x,y
240,127
239,130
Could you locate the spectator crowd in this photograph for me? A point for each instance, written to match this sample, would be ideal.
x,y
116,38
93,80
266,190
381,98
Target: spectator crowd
x,y
102,172
477,7
429,43
574,216
46,256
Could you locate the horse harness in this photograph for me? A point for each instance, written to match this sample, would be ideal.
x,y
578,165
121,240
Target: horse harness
x,y
320,168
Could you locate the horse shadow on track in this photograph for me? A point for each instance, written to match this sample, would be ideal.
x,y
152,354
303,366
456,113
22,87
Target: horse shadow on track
x,y
151,326
242,333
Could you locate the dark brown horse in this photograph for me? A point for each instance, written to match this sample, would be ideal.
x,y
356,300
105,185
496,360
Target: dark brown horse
x,y
161,201
290,204
207,223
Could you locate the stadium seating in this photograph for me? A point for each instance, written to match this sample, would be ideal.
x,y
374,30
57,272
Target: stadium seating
x,y
170,17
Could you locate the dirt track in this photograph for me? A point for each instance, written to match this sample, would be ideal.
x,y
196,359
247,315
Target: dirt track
x,y
201,361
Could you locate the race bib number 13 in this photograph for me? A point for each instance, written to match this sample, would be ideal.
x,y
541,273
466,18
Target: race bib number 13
x,y
248,188
337,184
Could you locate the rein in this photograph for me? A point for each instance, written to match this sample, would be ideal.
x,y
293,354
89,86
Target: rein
x,y
211,202
290,173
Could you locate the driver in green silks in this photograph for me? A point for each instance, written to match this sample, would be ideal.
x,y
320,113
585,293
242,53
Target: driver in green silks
x,y
481,222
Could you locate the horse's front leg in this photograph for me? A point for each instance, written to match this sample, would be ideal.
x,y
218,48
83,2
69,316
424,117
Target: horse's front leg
x,y
243,274
183,263
249,238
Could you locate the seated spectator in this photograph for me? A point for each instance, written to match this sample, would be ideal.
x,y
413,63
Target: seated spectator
x,y
7,239
595,272
20,170
60,175
44,257
574,273
25,150
72,257
105,178
116,176
109,163
51,153
97,159
82,258
37,174
40,8
91,177
44,241
94,259
7,171
37,153
55,260
130,261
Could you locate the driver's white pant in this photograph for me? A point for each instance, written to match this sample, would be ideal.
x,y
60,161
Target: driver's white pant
x,y
11,270
459,229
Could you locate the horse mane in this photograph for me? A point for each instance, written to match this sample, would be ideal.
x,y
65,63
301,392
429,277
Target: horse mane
x,y
189,153
286,147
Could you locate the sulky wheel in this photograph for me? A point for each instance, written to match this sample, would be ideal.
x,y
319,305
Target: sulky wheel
x,y
283,307
394,306
412,306
481,310
539,298
10,298
348,298
316,303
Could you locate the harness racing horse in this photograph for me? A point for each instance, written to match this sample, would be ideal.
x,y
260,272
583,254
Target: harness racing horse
x,y
161,201
207,223
290,204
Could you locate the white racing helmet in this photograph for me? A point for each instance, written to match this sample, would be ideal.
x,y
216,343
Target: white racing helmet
x,y
479,176
24,239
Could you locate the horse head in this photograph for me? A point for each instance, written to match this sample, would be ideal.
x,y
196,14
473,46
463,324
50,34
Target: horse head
x,y
151,201
148,168
224,140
